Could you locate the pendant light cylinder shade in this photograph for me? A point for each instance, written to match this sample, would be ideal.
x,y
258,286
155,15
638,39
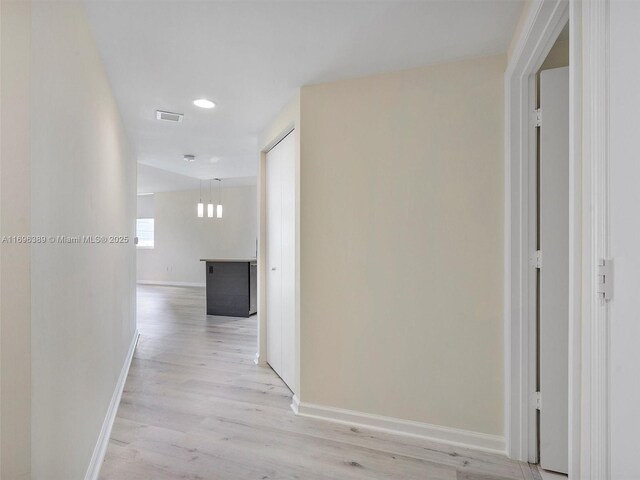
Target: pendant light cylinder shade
x,y
219,211
210,210
200,204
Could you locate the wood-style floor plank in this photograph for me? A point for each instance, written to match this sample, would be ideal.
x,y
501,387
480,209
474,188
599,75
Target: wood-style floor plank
x,y
196,407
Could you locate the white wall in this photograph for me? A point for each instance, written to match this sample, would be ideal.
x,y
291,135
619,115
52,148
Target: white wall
x,y
15,290
182,239
624,320
401,239
83,182
145,206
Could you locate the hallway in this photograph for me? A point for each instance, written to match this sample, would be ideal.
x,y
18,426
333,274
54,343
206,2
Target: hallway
x,y
196,407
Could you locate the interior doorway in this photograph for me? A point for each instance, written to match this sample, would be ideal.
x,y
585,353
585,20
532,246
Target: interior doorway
x,y
280,258
552,257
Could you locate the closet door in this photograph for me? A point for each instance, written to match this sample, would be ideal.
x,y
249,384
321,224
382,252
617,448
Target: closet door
x,y
554,272
280,262
288,257
273,260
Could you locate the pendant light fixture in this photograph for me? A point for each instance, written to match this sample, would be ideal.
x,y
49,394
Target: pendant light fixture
x,y
219,207
200,204
210,204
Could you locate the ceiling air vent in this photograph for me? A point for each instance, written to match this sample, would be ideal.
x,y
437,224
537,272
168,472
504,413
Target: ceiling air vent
x,y
168,116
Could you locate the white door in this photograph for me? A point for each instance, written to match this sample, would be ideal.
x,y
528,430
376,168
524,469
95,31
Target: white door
x,y
554,271
280,261
273,251
288,256
624,188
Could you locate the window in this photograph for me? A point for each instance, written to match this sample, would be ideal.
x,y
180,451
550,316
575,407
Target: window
x,y
144,232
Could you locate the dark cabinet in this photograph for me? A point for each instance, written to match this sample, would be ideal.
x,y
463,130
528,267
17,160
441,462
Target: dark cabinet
x,y
231,288
253,290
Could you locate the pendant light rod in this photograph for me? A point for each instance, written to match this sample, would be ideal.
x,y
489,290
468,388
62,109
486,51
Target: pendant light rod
x,y
219,207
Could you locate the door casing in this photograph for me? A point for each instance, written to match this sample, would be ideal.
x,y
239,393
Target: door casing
x,y
588,233
287,121
544,23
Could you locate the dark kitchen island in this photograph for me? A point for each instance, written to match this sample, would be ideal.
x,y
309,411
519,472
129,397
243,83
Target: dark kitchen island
x,y
231,287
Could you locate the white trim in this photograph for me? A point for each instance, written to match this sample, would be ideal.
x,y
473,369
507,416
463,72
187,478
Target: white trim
x,y
170,283
575,234
295,404
589,211
545,20
594,416
261,353
435,433
279,137
93,472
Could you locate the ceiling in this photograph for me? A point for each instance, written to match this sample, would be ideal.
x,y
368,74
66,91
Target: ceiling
x,y
250,57
155,180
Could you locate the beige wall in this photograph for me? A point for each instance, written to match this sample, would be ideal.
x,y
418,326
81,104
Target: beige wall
x,y
15,293
401,237
83,182
182,239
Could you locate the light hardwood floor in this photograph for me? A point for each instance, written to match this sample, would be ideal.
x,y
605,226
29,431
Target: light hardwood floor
x,y
196,407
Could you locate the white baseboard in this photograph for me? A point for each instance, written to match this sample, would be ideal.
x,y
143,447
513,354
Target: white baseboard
x,y
93,472
436,433
260,359
295,405
170,283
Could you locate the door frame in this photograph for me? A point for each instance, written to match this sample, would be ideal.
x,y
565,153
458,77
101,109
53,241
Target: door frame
x,y
592,437
270,141
588,334
543,25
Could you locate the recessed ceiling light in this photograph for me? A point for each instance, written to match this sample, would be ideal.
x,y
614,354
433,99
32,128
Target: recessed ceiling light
x,y
189,158
204,103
